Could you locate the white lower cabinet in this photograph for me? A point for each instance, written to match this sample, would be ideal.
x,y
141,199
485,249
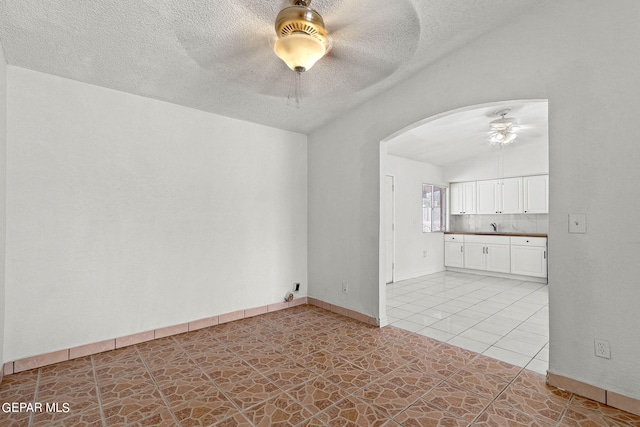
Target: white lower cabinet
x,y
524,256
529,256
454,250
453,254
497,257
474,256
490,253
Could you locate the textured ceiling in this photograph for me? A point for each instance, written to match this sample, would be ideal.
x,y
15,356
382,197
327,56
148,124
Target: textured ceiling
x,y
216,55
462,135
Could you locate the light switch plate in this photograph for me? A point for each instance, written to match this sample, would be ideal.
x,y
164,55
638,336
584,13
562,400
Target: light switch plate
x,y
577,223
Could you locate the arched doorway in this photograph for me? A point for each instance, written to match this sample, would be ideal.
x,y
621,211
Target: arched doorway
x,y
505,315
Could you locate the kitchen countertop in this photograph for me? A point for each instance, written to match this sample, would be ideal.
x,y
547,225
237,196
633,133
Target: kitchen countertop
x,y
497,233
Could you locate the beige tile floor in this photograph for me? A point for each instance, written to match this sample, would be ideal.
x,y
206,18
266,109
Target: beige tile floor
x,y
501,318
304,366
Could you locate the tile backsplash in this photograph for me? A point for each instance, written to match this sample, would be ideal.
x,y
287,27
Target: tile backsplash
x,y
516,223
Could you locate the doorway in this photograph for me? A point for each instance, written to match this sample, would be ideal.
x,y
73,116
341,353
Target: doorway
x,y
501,317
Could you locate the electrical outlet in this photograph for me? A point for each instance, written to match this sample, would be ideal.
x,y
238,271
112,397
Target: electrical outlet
x,y
345,288
602,348
296,287
424,254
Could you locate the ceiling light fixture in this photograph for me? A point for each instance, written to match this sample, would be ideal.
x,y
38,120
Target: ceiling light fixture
x,y
302,37
503,130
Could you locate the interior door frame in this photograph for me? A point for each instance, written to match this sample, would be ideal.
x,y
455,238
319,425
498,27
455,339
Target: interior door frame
x,y
390,207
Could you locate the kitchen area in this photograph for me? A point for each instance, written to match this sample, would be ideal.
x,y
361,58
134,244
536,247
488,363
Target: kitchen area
x,y
498,227
469,267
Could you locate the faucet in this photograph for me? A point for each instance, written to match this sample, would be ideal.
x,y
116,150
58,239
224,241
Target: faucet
x,y
495,226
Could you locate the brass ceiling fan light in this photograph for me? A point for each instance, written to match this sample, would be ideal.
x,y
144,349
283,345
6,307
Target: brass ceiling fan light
x,y
302,37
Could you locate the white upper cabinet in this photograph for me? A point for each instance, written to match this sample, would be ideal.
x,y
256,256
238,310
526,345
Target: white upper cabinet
x,y
488,196
497,196
512,199
536,194
469,197
529,194
455,198
463,198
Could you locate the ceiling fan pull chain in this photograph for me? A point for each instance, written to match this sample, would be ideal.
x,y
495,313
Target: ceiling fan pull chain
x,y
294,98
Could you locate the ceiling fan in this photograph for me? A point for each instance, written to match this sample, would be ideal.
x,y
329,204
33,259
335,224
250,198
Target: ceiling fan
x,y
503,131
302,36
350,45
302,40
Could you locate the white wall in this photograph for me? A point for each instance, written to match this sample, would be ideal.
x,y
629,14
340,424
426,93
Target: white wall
x,y
582,56
509,161
3,200
410,242
128,214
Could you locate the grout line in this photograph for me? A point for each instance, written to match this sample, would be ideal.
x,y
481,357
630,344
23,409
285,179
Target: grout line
x,y
95,379
164,398
522,369
565,409
35,395
500,394
189,355
462,285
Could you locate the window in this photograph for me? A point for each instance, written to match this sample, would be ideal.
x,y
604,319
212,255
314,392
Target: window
x,y
433,208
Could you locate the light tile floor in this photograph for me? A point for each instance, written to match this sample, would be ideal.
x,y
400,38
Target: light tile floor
x,y
501,318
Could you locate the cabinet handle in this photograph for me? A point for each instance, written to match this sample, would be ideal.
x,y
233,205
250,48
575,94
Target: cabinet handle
x,y
545,254
487,250
461,248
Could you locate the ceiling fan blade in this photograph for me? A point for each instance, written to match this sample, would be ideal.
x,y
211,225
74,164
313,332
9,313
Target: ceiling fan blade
x,y
240,52
370,16
250,62
370,42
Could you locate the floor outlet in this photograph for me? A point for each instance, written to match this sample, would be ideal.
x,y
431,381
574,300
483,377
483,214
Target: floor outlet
x,y
602,348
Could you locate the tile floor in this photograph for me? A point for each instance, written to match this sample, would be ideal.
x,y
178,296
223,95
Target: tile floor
x,y
304,366
501,318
